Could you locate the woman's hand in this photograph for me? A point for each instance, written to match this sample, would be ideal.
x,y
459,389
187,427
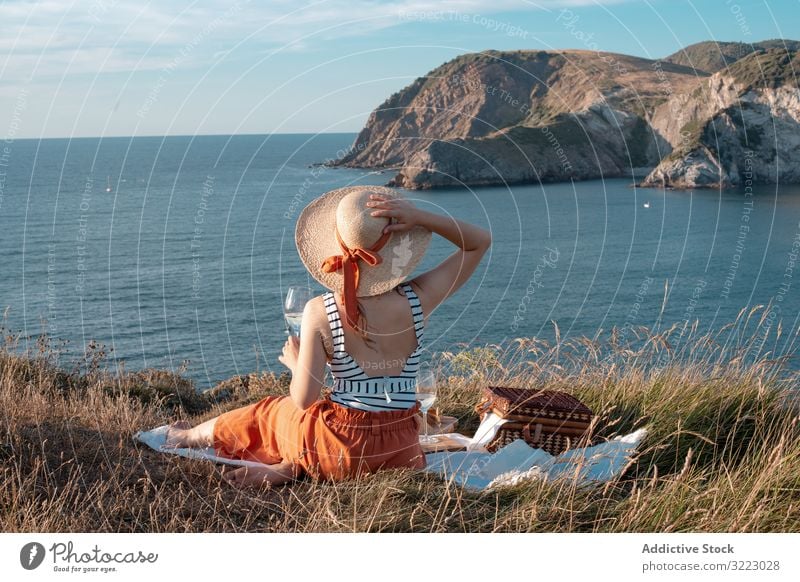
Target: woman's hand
x,y
406,215
291,349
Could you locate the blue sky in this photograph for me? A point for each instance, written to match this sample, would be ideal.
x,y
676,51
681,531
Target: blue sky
x,y
113,68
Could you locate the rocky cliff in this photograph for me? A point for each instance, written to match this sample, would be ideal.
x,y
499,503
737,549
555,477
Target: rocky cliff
x,y
527,116
739,127
507,117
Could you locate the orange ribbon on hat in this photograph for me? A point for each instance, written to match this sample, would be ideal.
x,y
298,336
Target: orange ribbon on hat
x,y
348,263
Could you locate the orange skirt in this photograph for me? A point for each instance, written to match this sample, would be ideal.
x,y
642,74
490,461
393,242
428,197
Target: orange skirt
x,y
328,440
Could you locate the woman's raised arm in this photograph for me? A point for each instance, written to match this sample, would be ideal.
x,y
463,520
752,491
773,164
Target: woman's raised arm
x,y
435,285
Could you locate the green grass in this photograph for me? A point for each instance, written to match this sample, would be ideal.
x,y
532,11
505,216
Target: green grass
x,y
722,454
712,56
566,130
691,135
770,69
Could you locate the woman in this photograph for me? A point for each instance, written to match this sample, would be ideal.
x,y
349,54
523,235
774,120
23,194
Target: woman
x,y
362,243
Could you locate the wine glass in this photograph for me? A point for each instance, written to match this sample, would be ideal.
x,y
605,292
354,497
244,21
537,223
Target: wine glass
x,y
426,394
296,298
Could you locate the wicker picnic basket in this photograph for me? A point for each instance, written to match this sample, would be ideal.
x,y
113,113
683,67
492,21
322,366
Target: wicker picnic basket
x,y
546,419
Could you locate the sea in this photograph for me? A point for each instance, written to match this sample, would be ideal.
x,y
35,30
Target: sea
x,y
176,252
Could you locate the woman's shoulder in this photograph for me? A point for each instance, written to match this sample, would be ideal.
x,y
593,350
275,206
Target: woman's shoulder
x,y
315,311
315,320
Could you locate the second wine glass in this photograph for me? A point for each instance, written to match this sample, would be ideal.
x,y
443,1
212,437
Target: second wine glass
x,y
426,394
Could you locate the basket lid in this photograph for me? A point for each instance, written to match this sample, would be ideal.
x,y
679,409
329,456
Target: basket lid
x,y
533,398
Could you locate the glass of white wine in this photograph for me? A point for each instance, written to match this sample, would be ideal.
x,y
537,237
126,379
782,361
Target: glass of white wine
x,y
296,298
426,394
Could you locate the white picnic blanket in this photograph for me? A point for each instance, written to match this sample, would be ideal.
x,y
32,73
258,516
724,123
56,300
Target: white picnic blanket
x,y
156,438
475,468
517,462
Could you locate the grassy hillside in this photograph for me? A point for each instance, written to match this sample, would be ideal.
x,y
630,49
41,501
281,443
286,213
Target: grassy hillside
x,y
723,453
711,56
769,69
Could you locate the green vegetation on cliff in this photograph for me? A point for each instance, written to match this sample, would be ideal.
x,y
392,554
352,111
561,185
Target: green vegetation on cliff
x,y
768,70
712,56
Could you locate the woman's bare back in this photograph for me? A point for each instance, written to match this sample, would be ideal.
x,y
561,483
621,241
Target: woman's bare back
x,y
390,326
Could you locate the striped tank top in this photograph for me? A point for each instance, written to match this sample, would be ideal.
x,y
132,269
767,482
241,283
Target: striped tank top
x,y
352,387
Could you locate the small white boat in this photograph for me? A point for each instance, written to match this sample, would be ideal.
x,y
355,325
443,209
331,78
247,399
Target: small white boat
x,y
646,204
108,183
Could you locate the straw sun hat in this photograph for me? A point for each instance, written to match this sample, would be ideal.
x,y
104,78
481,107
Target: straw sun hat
x,y
339,239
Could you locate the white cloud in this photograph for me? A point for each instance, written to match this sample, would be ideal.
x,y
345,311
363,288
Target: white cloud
x,y
88,36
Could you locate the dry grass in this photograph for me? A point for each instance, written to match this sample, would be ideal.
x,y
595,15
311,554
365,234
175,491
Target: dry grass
x,y
722,455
